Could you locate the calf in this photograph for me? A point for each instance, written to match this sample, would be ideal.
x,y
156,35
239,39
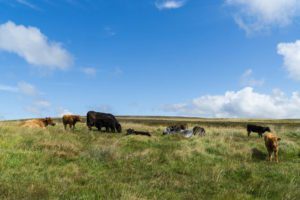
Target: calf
x,y
197,130
38,123
133,132
70,120
271,142
257,129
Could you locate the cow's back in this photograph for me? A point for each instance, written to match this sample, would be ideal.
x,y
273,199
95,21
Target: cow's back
x,y
35,123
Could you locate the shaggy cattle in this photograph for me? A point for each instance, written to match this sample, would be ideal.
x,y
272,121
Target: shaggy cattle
x,y
100,120
271,142
257,129
70,120
133,132
38,123
197,130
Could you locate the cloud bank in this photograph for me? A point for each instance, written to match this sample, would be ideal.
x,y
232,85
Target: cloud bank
x,y
245,103
33,46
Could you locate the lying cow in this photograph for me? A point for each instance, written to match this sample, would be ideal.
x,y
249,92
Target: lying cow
x,y
197,130
70,120
100,120
133,132
38,123
271,142
174,129
257,129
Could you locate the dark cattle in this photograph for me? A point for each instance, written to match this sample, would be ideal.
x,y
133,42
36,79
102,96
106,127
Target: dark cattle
x,y
100,120
197,130
133,132
70,120
257,129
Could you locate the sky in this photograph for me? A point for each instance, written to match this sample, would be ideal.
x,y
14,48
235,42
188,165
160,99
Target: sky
x,y
210,58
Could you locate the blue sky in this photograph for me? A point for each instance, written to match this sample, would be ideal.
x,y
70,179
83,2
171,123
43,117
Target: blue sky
x,y
221,58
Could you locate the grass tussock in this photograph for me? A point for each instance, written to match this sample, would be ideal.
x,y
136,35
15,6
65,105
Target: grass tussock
x,y
81,164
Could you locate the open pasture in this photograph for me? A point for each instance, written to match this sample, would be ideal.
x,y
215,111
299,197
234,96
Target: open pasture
x,y
82,164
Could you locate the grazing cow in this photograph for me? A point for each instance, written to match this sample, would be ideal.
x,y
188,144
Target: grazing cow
x,y
70,120
197,130
133,132
257,129
38,123
100,120
271,142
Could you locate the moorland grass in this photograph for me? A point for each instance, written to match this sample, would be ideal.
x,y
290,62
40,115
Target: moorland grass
x,y
82,164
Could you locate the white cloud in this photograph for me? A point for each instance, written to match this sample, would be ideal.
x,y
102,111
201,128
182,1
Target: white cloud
x,y
40,107
244,103
261,15
62,111
30,44
22,88
43,103
89,71
28,4
169,4
291,57
27,89
7,88
247,79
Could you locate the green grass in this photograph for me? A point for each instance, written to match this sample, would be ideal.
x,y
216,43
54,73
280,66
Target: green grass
x,y
226,164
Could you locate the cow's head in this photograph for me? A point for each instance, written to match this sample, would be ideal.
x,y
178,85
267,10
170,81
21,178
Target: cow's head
x,y
183,126
274,143
267,129
48,121
77,118
119,127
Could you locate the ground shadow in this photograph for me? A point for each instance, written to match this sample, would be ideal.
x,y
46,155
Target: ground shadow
x,y
258,155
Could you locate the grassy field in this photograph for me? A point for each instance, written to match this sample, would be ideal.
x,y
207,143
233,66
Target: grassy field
x,y
226,164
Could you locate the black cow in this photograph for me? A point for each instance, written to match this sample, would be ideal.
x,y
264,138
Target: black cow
x,y
133,132
100,120
257,129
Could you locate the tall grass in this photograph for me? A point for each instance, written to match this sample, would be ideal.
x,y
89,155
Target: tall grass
x,y
226,164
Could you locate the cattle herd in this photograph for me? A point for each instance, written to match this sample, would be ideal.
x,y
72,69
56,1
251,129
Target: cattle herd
x,y
110,124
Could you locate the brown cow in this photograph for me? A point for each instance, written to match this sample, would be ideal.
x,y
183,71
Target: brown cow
x,y
70,120
38,123
271,142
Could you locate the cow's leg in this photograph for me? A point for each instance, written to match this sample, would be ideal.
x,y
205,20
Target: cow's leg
x,y
249,133
270,156
276,156
65,125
